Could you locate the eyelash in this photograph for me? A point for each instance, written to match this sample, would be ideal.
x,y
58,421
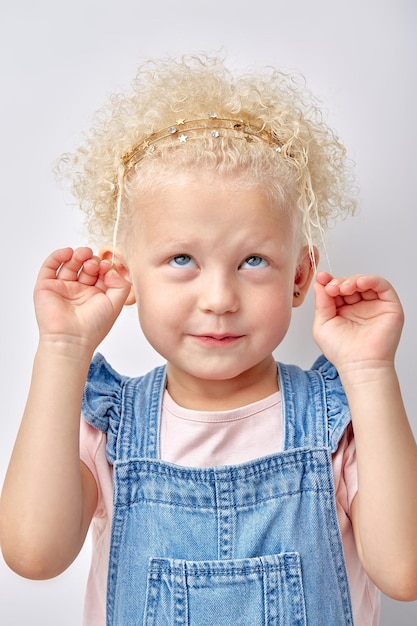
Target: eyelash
x,y
174,260
183,261
263,262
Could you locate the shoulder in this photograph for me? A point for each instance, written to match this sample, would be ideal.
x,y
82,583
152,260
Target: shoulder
x,y
106,392
338,412
102,395
315,403
114,403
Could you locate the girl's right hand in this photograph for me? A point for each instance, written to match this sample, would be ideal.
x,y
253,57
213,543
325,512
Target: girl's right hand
x,y
77,298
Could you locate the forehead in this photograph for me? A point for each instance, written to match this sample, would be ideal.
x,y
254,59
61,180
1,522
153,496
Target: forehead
x,y
210,211
167,199
154,183
202,194
229,170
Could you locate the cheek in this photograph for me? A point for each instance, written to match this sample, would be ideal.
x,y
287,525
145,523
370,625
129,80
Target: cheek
x,y
148,291
276,314
275,299
146,302
157,309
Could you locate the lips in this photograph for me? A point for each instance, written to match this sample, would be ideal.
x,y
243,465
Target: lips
x,y
216,339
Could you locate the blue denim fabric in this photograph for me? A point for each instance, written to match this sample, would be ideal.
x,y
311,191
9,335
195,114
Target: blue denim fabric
x,y
255,544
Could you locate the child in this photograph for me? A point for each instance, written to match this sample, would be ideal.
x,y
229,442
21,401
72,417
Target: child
x,y
221,488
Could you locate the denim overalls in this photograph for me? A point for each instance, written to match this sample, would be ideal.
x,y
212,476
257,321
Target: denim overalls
x,y
255,544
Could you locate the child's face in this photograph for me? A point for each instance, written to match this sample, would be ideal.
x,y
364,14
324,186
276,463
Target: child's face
x,y
213,271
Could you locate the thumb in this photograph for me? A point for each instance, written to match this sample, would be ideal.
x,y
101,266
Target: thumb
x,y
119,290
325,305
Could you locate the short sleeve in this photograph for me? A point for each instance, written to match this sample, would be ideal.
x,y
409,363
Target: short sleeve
x,y
102,400
346,471
91,441
338,412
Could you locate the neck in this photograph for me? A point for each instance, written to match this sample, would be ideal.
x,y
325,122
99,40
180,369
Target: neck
x,y
222,395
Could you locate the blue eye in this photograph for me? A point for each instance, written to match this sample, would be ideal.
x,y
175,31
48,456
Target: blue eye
x,y
254,262
182,260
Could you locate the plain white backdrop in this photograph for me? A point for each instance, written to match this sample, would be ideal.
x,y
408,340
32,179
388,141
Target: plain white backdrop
x,y
59,61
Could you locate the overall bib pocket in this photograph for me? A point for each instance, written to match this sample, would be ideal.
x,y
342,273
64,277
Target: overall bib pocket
x,y
243,592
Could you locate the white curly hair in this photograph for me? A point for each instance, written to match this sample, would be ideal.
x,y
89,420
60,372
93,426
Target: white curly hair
x,y
310,173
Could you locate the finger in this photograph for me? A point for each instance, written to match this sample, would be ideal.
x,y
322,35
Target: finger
x,y
323,278
54,261
325,305
340,286
370,294
90,271
361,287
380,287
70,269
94,272
117,287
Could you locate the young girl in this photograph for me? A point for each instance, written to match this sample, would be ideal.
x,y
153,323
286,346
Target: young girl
x,y
223,488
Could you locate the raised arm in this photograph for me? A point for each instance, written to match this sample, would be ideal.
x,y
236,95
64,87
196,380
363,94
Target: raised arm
x,y
48,496
358,324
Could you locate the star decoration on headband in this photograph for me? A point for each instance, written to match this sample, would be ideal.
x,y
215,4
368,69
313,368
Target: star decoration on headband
x,y
195,128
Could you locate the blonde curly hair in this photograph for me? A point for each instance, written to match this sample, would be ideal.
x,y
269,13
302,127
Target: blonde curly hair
x,y
309,171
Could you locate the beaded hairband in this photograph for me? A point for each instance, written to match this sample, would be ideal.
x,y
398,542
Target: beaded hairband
x,y
183,130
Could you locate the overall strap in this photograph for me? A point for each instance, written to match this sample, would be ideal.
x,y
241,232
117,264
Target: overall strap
x,y
140,416
126,409
314,406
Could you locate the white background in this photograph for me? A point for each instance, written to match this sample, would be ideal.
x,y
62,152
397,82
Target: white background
x,y
58,63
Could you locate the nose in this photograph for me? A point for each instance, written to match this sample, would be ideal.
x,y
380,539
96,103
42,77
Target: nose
x,y
219,293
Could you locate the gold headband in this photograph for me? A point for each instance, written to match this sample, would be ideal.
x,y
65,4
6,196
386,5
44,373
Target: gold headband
x,y
183,130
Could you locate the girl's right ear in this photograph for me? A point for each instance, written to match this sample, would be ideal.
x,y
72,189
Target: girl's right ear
x,y
106,253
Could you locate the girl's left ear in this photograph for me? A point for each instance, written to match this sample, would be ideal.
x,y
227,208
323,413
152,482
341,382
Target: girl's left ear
x,y
304,274
106,253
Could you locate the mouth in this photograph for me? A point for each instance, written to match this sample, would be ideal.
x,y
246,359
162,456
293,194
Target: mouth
x,y
217,340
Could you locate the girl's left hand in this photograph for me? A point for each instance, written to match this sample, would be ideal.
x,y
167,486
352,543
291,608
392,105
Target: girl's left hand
x,y
358,320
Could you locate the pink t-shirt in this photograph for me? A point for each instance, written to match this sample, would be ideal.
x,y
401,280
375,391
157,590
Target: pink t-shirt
x,y
206,439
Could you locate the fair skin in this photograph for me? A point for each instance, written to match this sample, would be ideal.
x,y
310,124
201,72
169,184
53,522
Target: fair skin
x,y
212,282
214,297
